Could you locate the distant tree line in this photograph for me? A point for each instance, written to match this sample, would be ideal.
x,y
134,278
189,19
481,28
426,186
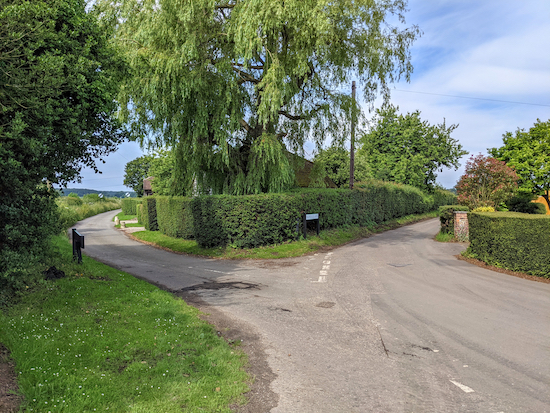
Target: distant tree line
x,y
108,194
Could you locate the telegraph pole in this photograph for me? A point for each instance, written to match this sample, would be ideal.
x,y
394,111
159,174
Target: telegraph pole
x,y
352,146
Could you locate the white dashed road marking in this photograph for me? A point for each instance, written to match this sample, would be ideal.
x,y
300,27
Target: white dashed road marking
x,y
462,387
324,271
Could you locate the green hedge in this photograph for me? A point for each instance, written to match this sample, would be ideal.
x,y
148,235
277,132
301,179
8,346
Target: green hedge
x,y
244,221
147,214
254,220
129,205
447,218
512,240
174,216
443,197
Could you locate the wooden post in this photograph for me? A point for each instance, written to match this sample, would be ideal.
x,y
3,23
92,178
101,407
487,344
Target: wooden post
x,y
352,143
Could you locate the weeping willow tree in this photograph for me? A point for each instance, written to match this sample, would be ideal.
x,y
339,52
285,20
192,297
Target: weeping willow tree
x,y
234,86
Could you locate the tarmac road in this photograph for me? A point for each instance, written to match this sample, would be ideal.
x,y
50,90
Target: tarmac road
x,y
392,323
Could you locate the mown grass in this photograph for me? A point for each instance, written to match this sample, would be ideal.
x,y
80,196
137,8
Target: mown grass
x,y
326,239
123,217
102,340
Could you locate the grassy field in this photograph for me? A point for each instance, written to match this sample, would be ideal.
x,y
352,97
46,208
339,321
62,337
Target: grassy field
x,y
102,340
326,239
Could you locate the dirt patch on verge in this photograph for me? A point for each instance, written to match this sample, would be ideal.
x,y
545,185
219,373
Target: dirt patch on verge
x,y
9,398
502,270
260,397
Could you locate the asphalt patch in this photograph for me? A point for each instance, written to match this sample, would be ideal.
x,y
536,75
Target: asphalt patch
x,y
213,285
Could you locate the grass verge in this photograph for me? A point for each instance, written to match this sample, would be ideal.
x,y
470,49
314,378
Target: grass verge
x,y
123,217
102,340
326,239
445,237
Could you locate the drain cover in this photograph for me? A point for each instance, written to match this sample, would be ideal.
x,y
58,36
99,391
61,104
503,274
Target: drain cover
x,y
326,304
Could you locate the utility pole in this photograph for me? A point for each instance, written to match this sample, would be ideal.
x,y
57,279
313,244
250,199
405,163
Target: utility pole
x,y
352,146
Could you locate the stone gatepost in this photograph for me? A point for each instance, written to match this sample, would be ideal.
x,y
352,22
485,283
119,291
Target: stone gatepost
x,y
461,225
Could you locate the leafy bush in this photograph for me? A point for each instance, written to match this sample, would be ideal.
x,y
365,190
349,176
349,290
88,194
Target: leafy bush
x,y
174,216
129,205
484,209
446,217
92,198
519,242
522,202
71,214
70,201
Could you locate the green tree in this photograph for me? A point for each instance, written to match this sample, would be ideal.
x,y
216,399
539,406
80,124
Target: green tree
x,y
163,172
336,161
136,171
528,152
405,149
235,85
486,182
59,77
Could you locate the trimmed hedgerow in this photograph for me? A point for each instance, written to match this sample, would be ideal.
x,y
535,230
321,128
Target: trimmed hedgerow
x,y
254,220
443,197
129,205
148,214
447,218
512,240
244,221
174,216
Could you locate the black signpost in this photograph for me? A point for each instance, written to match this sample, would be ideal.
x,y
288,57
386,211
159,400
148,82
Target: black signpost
x,y
78,244
308,217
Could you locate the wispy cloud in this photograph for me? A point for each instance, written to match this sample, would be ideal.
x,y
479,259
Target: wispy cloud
x,y
492,51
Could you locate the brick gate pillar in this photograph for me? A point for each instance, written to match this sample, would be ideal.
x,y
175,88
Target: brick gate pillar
x,y
461,225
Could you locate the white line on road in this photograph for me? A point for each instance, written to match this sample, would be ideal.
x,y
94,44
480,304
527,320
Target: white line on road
x,y
462,387
216,271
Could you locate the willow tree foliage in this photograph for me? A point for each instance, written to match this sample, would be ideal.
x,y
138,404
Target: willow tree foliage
x,y
235,85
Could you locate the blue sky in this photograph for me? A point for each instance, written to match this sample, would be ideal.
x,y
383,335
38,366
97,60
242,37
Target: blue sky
x,y
475,64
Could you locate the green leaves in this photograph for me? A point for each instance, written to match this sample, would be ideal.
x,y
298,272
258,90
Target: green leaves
x,y
405,149
212,78
135,172
58,82
528,153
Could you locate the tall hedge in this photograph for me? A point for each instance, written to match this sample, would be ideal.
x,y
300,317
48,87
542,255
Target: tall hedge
x,y
148,214
253,220
129,205
512,240
174,216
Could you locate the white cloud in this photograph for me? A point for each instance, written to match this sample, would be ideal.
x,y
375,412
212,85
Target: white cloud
x,y
490,49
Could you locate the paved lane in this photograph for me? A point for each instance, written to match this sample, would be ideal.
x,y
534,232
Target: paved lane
x,y
393,323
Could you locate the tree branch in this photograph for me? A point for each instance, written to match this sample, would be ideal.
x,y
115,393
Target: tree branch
x,y
225,6
245,125
301,117
246,77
